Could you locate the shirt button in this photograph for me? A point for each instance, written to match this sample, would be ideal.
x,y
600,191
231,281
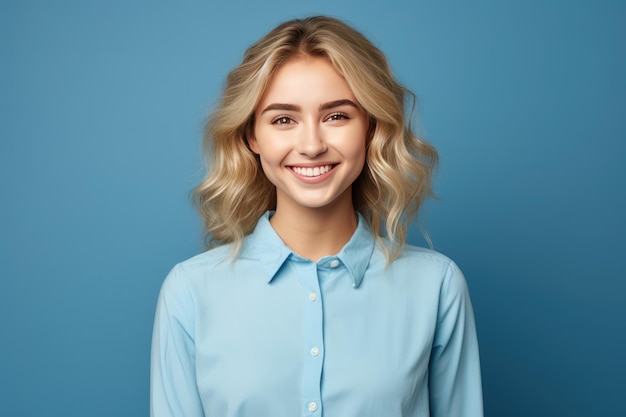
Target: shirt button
x,y
312,296
334,263
312,406
315,351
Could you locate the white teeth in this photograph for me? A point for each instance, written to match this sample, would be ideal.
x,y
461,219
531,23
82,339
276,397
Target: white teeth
x,y
312,172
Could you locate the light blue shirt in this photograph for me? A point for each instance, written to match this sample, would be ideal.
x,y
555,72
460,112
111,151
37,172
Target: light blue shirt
x,y
271,334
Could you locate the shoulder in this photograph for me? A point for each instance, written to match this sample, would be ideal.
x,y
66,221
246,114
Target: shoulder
x,y
438,273
422,264
419,258
451,279
217,264
411,253
185,274
209,259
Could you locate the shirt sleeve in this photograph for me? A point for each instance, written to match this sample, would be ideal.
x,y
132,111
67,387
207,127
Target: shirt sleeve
x,y
173,388
454,375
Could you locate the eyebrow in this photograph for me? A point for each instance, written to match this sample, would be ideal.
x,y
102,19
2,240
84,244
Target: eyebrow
x,y
324,106
281,106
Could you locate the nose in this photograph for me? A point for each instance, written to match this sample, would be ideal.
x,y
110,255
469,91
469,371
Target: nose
x,y
310,141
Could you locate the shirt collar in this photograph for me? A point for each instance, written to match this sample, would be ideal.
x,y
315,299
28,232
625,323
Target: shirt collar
x,y
266,246
356,254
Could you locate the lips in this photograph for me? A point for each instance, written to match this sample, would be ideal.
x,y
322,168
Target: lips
x,y
311,171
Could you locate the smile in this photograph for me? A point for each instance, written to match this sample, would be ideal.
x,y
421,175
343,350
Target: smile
x,y
311,171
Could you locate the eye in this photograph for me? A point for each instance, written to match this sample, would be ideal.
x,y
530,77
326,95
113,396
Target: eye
x,y
282,120
337,116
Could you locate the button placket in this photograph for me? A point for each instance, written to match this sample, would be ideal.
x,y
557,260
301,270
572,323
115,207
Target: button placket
x,y
313,341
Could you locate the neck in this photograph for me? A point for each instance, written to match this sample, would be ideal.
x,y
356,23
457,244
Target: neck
x,y
315,232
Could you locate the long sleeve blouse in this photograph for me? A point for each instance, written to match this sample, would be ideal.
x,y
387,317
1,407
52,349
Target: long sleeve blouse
x,y
273,334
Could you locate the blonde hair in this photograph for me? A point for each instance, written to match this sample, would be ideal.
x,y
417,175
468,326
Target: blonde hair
x,y
398,168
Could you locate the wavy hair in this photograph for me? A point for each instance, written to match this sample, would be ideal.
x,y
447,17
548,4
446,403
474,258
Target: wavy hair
x,y
398,168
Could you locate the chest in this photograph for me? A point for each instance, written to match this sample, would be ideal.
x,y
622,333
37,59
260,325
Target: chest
x,y
314,342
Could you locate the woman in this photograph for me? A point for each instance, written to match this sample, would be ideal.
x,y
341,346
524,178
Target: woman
x,y
309,302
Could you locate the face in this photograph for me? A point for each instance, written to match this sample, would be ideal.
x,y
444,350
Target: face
x,y
310,134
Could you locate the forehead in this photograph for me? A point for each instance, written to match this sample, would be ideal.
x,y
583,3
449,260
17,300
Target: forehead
x,y
306,79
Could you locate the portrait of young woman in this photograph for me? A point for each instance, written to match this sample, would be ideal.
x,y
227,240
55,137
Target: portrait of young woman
x,y
309,302
322,209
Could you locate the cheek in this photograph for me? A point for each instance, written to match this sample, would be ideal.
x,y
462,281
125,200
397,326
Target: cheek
x,y
269,171
270,153
361,151
362,161
271,158
265,170
358,148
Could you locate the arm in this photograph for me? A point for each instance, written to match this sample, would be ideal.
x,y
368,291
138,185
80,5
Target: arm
x,y
173,389
454,374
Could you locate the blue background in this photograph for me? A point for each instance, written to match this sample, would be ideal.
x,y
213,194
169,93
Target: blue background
x,y
102,106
